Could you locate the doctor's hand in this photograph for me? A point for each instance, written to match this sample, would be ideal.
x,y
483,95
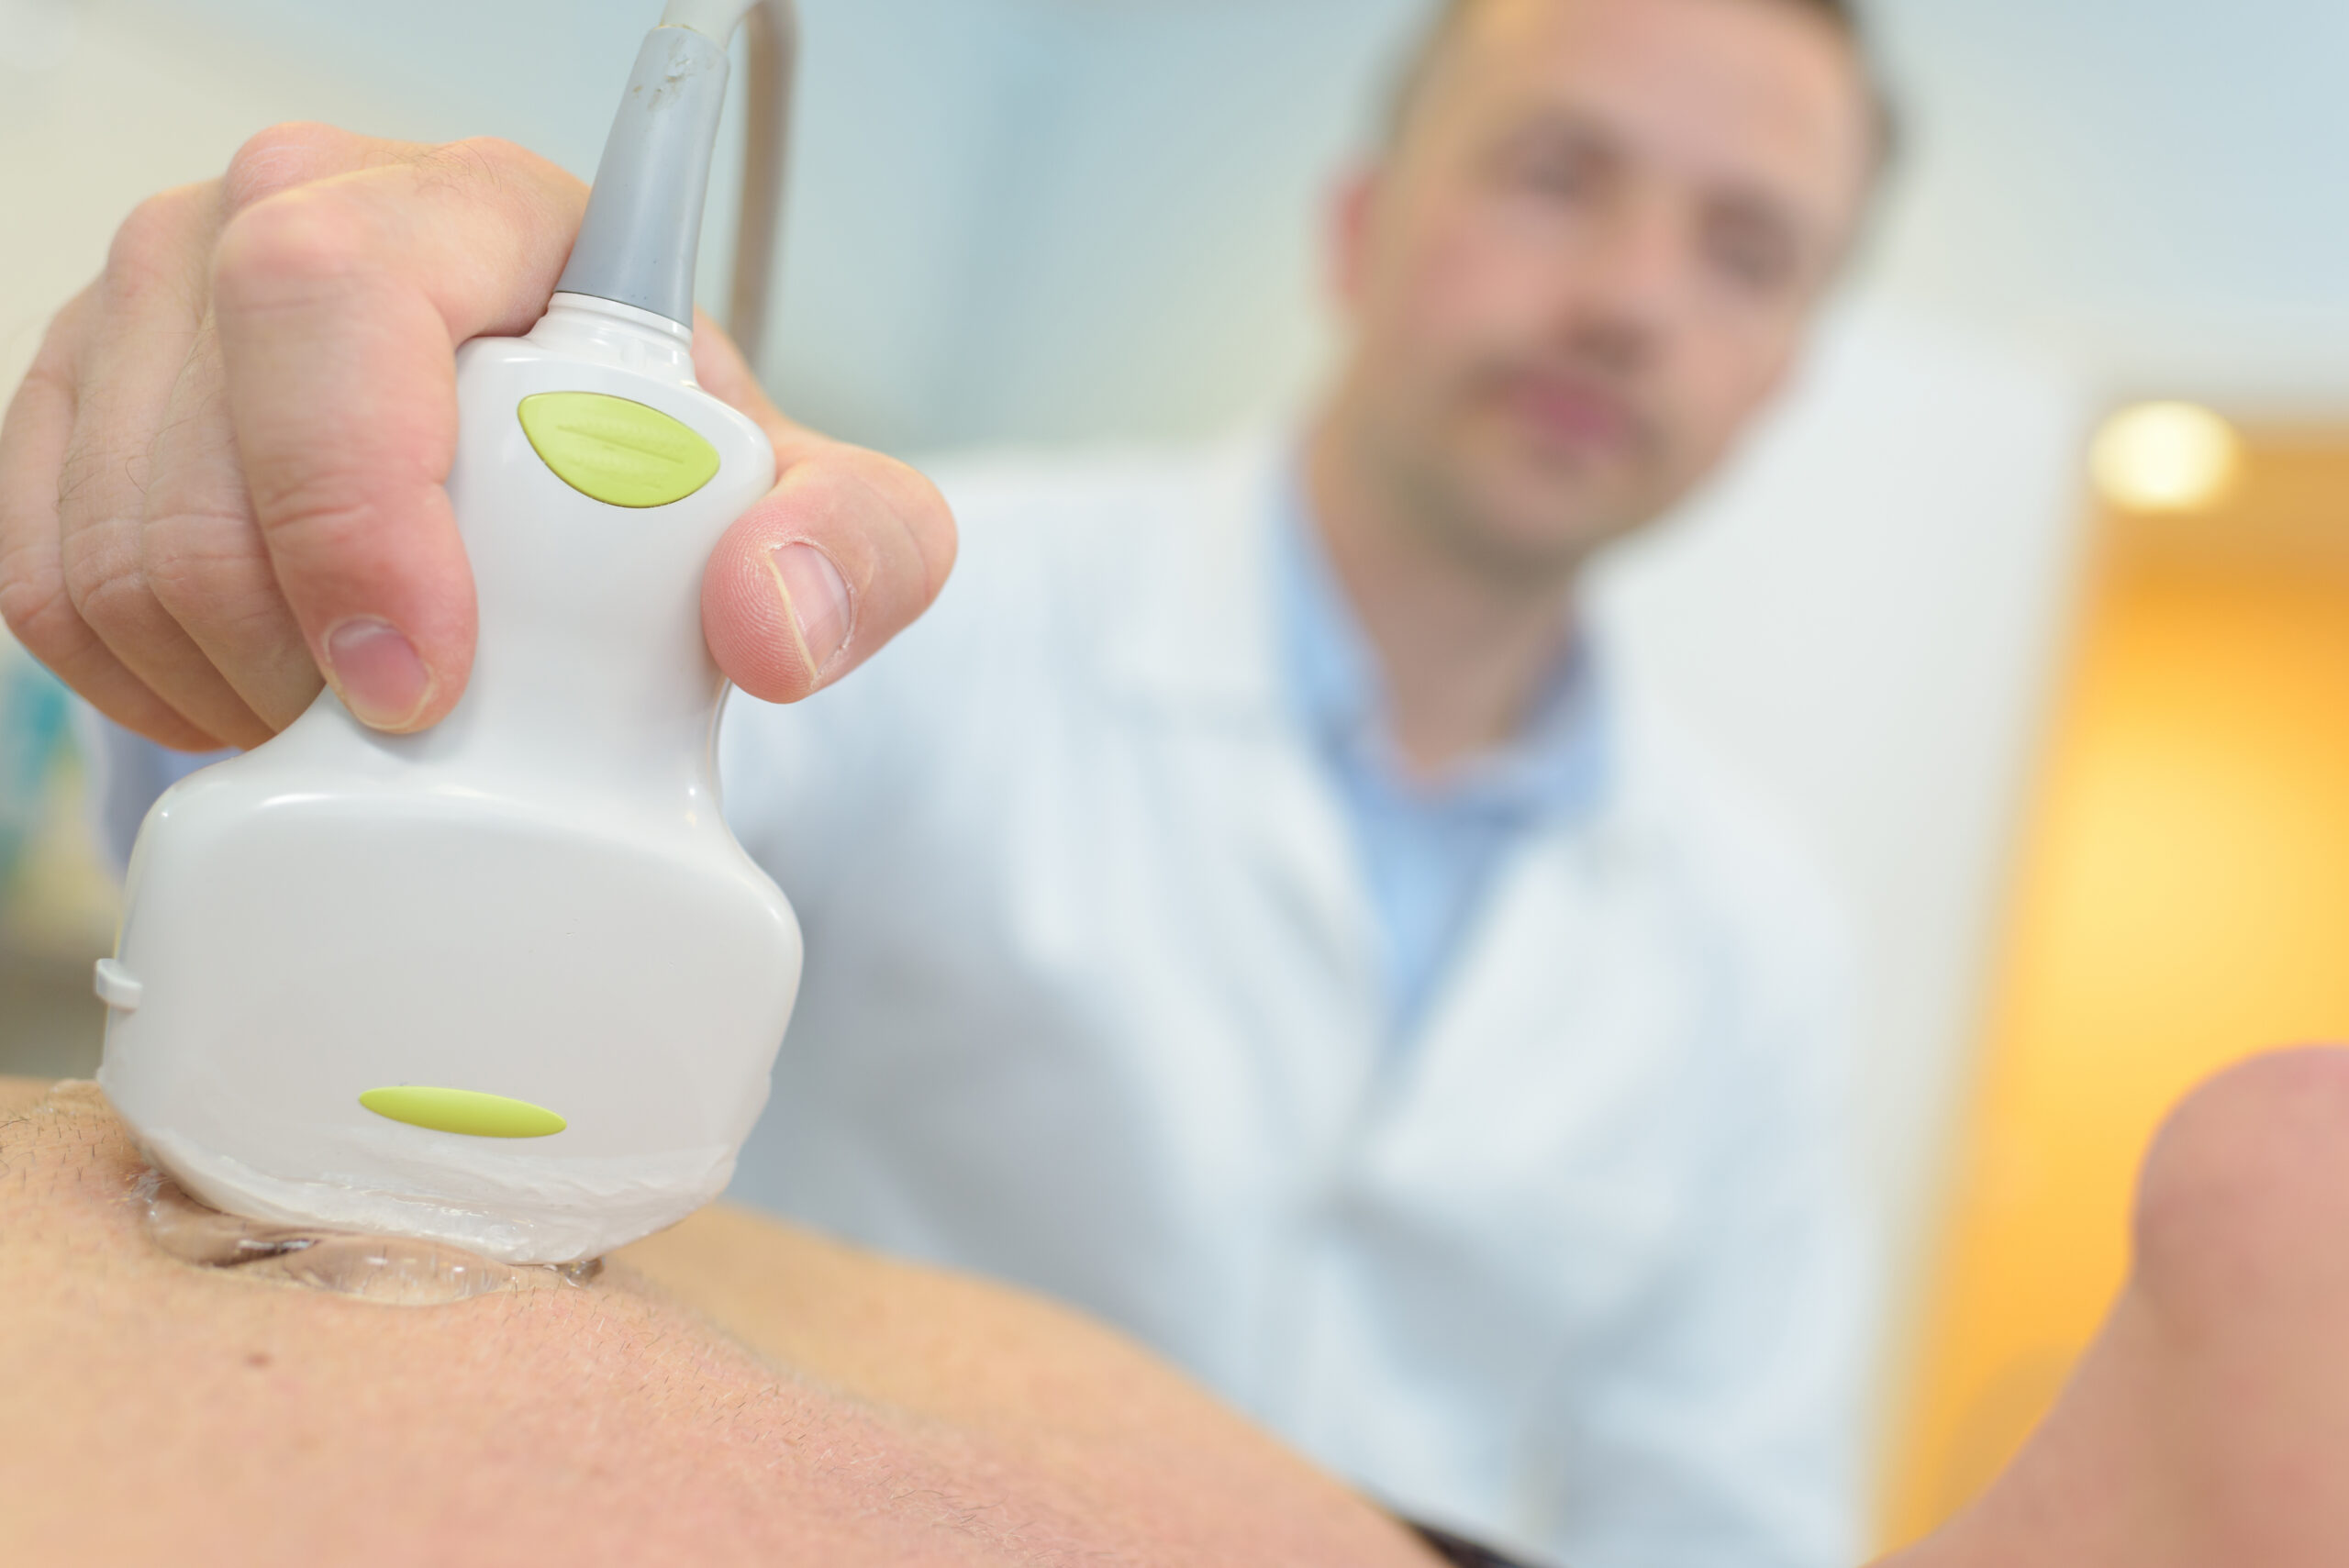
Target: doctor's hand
x,y
222,478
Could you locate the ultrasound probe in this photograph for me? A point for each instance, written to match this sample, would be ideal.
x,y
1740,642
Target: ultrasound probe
x,y
509,984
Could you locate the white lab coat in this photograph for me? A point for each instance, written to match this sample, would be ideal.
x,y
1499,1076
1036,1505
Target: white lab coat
x,y
1092,1003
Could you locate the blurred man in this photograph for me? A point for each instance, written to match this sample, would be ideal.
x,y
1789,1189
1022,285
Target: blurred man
x,y
1250,908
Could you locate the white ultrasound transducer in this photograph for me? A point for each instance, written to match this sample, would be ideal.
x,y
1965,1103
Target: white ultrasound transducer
x,y
510,983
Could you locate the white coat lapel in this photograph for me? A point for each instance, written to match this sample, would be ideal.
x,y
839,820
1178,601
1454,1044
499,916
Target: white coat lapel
x,y
1542,1109
1198,655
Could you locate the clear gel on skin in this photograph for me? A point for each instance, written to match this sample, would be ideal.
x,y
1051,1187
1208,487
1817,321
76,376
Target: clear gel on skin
x,y
394,1271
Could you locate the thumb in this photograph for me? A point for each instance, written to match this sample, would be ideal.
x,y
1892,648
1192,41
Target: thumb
x,y
846,552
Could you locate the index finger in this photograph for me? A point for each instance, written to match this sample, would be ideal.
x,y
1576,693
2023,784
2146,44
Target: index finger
x,y
341,306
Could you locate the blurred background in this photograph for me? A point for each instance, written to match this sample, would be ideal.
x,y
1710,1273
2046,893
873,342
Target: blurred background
x,y
2073,734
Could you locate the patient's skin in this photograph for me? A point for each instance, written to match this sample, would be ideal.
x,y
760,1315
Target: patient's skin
x,y
735,1392
2208,1426
731,1392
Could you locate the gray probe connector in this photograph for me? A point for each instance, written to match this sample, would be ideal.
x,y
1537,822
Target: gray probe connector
x,y
643,231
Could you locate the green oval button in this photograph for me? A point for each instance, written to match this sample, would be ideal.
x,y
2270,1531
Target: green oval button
x,y
621,453
463,1111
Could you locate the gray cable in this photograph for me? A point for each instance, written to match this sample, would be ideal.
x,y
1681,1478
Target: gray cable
x,y
771,33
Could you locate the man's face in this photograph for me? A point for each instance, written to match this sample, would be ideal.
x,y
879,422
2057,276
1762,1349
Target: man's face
x,y
1591,257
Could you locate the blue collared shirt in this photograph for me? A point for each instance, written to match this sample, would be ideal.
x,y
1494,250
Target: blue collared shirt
x,y
1429,851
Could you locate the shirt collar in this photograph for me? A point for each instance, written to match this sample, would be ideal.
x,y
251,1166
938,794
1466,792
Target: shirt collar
x,y
1557,763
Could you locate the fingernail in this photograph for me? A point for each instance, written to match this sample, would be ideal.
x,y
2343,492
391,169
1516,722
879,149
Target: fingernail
x,y
376,672
818,599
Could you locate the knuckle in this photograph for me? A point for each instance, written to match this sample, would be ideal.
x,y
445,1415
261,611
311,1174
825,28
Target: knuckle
x,y
116,607
490,154
100,580
281,158
148,254
203,565
510,175
490,159
326,514
287,244
928,518
923,526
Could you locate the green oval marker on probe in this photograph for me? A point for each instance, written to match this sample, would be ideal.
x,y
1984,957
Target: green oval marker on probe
x,y
464,1111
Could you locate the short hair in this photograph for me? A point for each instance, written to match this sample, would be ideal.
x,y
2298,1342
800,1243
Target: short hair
x,y
1844,16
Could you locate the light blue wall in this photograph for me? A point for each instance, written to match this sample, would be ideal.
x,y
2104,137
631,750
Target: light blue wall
x,y
901,131
2151,186
1014,218
1060,217
1149,257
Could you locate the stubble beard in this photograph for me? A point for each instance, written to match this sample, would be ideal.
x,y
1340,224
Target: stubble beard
x,y
1526,547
